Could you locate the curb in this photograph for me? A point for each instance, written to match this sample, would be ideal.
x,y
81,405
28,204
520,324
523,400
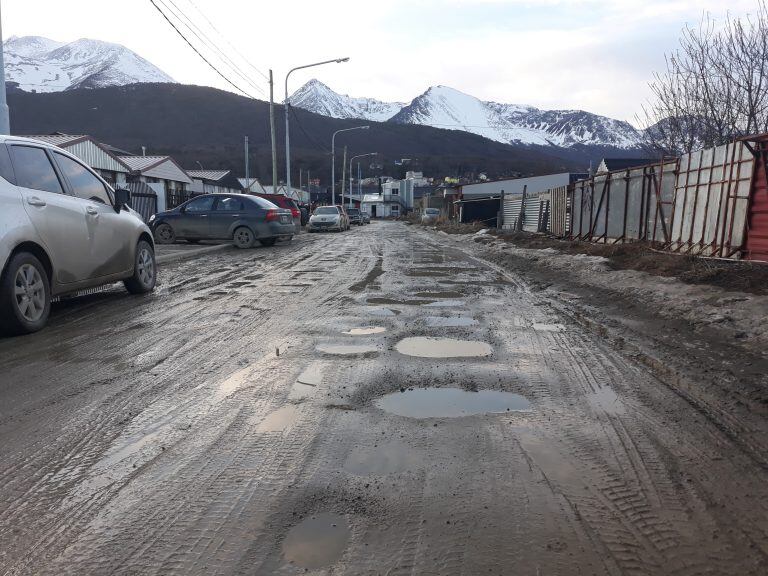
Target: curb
x,y
187,254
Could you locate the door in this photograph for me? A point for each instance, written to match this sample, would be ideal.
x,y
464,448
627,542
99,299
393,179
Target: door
x,y
193,221
110,235
58,218
226,211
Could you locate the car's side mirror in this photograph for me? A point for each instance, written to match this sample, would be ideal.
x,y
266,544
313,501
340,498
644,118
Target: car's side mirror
x,y
122,198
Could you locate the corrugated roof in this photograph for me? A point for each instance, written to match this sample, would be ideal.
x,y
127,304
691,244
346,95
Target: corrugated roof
x,y
57,139
143,162
208,174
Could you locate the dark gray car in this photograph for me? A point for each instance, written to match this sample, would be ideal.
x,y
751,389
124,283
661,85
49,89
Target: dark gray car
x,y
241,218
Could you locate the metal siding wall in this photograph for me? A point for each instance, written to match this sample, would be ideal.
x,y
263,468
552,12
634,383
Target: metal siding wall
x,y
95,157
168,171
512,207
757,229
559,214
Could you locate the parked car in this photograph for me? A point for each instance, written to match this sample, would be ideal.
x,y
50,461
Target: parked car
x,y
62,229
289,204
354,216
366,217
328,218
241,218
430,215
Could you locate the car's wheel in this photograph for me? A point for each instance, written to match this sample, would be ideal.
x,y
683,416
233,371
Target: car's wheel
x,y
268,241
144,270
243,237
25,295
164,234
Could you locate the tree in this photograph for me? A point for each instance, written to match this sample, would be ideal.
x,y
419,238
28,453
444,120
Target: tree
x,y
714,88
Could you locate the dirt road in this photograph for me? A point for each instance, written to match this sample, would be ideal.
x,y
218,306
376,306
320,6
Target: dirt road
x,y
229,425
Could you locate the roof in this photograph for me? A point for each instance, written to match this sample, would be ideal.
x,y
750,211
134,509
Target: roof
x,y
613,164
253,186
143,162
208,174
58,139
156,167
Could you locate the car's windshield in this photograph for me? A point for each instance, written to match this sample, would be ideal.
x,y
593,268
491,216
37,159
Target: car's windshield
x,y
432,211
327,210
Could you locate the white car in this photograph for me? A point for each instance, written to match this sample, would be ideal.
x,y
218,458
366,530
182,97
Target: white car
x,y
328,218
430,215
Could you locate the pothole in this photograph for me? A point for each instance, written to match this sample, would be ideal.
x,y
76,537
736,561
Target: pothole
x,y
385,300
317,541
449,322
382,312
312,375
426,347
365,331
279,420
386,458
441,294
451,403
446,304
347,349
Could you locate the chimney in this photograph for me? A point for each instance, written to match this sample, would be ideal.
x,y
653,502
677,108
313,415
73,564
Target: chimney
x,y
143,150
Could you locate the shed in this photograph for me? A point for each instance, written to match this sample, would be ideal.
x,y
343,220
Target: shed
x,y
163,175
214,182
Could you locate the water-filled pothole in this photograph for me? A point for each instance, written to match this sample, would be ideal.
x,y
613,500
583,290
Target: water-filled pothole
x,y
446,304
451,403
382,312
449,322
426,347
399,302
365,331
317,541
441,294
347,349
279,420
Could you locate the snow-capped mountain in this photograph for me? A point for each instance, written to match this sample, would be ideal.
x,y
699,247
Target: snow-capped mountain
x,y
444,107
317,97
43,65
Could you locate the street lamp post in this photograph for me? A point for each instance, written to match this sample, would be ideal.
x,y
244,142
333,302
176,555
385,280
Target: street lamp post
x,y
350,173
333,158
286,104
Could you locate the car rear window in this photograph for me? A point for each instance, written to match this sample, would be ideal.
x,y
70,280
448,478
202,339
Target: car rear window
x,y
327,210
263,203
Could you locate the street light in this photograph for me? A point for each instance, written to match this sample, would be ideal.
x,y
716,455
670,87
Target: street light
x,y
286,105
350,175
198,163
333,160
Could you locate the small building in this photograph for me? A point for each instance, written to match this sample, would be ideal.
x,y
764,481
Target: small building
x,y
532,184
251,186
214,182
614,164
97,155
164,175
300,196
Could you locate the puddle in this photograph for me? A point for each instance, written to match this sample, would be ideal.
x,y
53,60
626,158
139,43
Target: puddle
x,y
451,403
317,541
279,420
383,459
426,347
443,294
607,400
347,349
384,312
232,384
548,327
450,322
312,375
385,300
365,331
446,304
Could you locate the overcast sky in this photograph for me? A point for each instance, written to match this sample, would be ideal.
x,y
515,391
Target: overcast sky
x,y
595,55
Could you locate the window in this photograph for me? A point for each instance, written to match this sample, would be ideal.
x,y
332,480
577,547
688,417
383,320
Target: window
x,y
395,208
204,204
34,170
327,210
84,184
6,168
263,203
230,204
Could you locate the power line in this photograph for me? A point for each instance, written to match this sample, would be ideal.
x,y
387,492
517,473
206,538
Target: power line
x,y
180,33
315,143
226,40
208,42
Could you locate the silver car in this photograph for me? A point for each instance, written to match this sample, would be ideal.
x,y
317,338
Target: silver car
x,y
62,229
328,218
430,215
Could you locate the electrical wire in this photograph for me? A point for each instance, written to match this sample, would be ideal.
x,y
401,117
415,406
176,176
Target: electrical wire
x,y
312,140
209,43
214,68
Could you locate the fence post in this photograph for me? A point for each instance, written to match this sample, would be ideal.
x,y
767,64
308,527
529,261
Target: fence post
x,y
500,215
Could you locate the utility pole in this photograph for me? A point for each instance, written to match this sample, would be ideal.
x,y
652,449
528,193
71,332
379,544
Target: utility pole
x,y
343,175
247,174
5,122
272,130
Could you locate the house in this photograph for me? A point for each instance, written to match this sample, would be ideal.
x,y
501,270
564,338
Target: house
x,y
214,182
300,196
613,164
163,175
97,155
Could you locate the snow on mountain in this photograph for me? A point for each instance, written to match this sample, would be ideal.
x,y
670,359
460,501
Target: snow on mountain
x,y
444,107
320,99
43,65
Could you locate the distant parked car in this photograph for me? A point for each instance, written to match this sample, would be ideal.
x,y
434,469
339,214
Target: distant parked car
x,y
366,217
241,218
328,218
62,229
355,217
287,203
430,215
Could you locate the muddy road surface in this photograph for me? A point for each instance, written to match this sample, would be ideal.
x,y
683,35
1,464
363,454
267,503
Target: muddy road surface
x,y
375,402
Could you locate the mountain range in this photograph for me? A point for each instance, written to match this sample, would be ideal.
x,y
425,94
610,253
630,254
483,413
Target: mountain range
x,y
448,108
37,64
